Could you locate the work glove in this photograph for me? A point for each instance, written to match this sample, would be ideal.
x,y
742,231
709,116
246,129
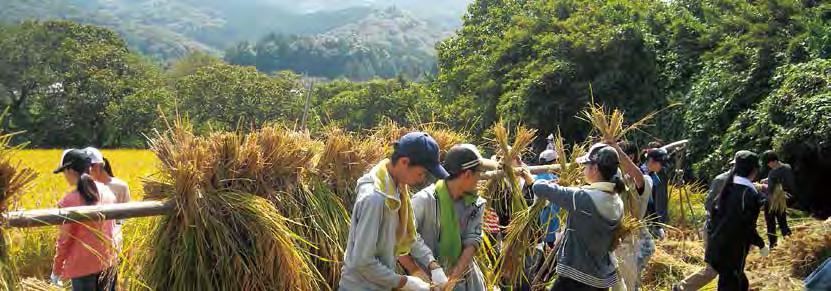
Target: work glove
x,y
55,280
415,284
438,277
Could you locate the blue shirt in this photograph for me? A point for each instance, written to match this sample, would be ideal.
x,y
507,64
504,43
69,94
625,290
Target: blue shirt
x,y
549,213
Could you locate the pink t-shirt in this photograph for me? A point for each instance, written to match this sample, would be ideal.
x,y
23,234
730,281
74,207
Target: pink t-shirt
x,y
84,248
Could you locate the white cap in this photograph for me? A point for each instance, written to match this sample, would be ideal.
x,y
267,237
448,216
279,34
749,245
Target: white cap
x,y
548,156
95,155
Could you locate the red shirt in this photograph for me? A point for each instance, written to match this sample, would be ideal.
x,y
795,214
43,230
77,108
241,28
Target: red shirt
x,y
84,248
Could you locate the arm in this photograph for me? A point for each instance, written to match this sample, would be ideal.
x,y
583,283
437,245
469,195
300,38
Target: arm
x,y
409,264
367,223
471,240
464,262
420,251
562,196
629,167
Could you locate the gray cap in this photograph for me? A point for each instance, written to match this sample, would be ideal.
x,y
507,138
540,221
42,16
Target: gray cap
x,y
600,154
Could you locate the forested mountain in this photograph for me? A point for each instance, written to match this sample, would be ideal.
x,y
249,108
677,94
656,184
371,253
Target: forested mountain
x,y
381,38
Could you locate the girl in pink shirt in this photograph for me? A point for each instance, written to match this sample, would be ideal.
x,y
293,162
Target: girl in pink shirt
x,y
84,251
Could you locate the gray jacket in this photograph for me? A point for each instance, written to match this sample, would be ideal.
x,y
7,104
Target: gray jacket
x,y
370,259
586,251
426,210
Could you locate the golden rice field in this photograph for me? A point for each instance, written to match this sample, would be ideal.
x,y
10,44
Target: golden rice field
x,y
32,249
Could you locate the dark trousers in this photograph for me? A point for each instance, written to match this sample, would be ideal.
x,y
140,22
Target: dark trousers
x,y
568,284
771,219
733,280
101,281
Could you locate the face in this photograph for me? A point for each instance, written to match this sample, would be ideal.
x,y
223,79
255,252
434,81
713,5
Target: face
x,y
71,176
409,175
590,173
469,181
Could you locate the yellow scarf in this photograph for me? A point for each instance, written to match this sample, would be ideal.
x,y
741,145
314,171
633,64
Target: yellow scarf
x,y
405,234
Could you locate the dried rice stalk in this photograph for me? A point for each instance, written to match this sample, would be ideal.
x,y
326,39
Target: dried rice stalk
x,y
779,199
34,284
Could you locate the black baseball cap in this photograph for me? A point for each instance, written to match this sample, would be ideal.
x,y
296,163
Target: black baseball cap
x,y
600,154
74,159
422,150
464,157
658,154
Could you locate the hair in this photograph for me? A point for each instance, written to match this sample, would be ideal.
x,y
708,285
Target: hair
x,y
86,184
87,189
108,168
744,170
610,173
655,144
737,170
413,162
453,176
770,156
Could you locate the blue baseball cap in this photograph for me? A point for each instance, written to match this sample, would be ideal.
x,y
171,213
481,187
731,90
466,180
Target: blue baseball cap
x,y
422,150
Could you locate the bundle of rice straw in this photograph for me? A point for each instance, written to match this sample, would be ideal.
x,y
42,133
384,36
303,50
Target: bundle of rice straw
x,y
779,199
34,284
389,132
218,237
14,179
523,230
344,159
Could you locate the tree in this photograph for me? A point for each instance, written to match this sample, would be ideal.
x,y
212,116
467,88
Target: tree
x,y
224,96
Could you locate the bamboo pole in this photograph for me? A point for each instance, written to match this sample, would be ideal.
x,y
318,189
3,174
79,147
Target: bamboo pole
x,y
496,174
56,216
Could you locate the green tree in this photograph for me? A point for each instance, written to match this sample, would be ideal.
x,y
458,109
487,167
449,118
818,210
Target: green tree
x,y
224,96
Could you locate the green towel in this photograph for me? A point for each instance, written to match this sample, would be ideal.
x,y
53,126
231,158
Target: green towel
x,y
450,237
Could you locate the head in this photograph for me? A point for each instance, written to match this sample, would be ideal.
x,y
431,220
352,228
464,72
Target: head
x,y
656,158
770,158
746,164
414,156
100,166
464,163
600,164
75,166
548,157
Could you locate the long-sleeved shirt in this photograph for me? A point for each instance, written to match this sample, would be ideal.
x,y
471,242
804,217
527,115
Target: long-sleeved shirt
x,y
732,226
84,248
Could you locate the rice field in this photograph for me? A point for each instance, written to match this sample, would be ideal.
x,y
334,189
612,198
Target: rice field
x,y
31,249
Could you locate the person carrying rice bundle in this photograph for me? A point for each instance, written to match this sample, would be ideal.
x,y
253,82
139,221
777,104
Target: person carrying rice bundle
x,y
586,260
383,225
778,186
449,222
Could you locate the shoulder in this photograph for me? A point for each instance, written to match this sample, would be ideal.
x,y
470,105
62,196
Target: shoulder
x,y
118,183
71,198
426,193
105,194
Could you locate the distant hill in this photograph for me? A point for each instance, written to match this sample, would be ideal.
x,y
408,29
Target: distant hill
x,y
168,29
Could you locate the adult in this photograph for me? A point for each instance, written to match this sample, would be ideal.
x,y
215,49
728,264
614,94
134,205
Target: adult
x,y
84,252
586,260
383,225
102,172
449,220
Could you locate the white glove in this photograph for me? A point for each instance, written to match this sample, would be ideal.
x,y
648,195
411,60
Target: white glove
x,y
765,251
438,277
55,280
415,284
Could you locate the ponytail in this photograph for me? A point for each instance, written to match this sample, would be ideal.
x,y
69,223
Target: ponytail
x,y
719,200
87,189
108,168
619,185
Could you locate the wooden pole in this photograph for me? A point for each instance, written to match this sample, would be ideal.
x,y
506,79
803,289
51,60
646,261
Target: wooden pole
x,y
533,169
56,216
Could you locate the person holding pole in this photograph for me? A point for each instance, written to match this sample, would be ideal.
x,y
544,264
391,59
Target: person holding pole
x,y
84,252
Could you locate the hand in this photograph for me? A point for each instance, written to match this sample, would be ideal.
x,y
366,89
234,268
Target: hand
x,y
415,284
438,277
421,275
765,251
55,280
